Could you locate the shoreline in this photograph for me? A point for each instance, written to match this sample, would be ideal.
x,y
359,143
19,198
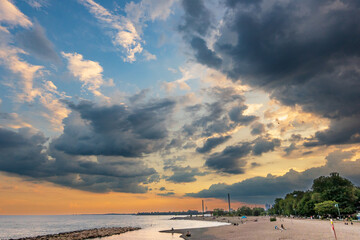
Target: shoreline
x,y
82,234
261,228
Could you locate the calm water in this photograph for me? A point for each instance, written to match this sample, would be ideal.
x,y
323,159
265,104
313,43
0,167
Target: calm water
x,y
25,226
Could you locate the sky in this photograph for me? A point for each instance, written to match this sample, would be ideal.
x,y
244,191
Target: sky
x,y
153,105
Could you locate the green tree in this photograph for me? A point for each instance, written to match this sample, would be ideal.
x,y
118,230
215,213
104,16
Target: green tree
x,y
244,210
218,212
326,208
339,189
258,211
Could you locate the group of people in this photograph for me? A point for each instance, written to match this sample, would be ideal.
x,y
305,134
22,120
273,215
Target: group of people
x,y
347,221
281,228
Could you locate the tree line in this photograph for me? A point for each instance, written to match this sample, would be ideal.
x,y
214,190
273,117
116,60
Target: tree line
x,y
329,196
243,211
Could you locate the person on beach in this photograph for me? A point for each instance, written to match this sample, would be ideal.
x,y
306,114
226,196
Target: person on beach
x,y
188,234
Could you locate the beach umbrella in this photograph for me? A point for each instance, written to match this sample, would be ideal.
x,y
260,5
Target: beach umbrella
x,y
243,217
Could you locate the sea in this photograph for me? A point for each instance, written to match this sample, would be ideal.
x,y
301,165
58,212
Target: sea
x,y
28,226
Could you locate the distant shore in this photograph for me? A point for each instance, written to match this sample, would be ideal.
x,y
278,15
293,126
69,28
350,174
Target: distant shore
x,y
261,228
83,234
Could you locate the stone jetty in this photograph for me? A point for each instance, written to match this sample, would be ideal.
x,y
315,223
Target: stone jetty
x,y
83,234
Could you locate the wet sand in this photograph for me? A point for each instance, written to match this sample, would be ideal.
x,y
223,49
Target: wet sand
x,y
262,228
83,234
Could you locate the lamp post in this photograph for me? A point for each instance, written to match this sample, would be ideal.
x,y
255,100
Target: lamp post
x,y
337,205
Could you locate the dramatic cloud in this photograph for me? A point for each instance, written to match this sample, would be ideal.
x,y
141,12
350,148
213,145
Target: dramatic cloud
x,y
203,54
223,114
35,41
23,153
257,128
198,21
288,150
303,53
183,174
212,143
197,18
263,145
266,189
230,160
115,130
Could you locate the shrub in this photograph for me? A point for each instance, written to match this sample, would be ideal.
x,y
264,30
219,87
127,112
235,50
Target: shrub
x,y
272,219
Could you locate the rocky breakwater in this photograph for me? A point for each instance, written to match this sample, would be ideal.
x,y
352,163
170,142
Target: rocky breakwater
x,y
83,234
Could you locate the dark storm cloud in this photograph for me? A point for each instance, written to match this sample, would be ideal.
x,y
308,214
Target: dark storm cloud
x,y
255,164
266,189
263,145
197,18
346,130
23,153
257,128
295,137
236,115
115,130
203,54
212,143
183,174
198,21
224,113
35,41
230,160
288,150
304,53
233,3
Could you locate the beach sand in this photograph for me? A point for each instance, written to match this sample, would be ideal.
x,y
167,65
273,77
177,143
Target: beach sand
x,y
263,229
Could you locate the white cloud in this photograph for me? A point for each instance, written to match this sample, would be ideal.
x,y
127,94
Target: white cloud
x,y
125,34
128,29
37,3
188,71
148,56
149,10
87,71
9,55
173,70
10,14
11,59
56,109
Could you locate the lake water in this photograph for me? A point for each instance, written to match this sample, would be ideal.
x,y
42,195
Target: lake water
x,y
26,226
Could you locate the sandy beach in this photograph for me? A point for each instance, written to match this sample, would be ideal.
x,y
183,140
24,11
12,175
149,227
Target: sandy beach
x,y
262,228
